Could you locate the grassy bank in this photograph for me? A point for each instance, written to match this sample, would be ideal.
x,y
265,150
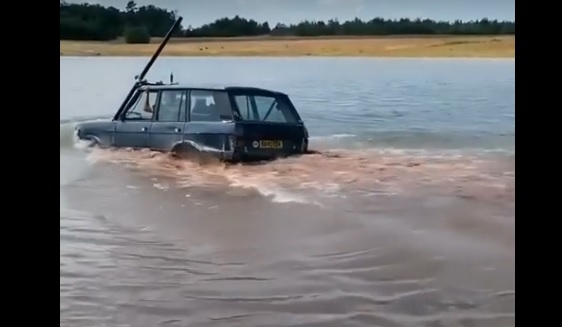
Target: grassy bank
x,y
389,46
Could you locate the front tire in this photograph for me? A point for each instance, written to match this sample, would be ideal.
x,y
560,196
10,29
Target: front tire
x,y
184,150
87,143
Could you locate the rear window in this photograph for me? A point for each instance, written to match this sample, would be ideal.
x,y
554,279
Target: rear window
x,y
265,108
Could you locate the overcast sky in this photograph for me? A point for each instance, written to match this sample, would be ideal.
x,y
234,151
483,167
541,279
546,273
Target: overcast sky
x,y
198,12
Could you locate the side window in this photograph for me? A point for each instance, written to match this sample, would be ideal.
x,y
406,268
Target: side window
x,y
172,106
144,106
209,106
244,107
270,110
265,108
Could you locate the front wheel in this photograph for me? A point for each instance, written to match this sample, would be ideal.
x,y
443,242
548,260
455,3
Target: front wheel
x,y
86,143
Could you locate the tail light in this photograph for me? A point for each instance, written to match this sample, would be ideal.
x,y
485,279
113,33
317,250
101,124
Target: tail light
x,y
303,145
231,142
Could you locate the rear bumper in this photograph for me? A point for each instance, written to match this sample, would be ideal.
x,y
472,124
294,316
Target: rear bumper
x,y
234,150
243,154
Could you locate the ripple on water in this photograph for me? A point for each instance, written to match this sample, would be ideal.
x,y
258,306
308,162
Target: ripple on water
x,y
132,275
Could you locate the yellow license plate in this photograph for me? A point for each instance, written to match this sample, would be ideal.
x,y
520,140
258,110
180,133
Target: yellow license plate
x,y
267,144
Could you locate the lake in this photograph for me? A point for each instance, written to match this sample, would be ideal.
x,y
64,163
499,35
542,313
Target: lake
x,y
405,217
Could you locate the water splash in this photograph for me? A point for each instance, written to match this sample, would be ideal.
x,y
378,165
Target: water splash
x,y
335,173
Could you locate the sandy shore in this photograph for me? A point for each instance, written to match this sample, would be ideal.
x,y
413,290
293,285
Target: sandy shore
x,y
390,46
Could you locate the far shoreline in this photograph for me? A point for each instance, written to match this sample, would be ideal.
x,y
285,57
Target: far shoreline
x,y
399,46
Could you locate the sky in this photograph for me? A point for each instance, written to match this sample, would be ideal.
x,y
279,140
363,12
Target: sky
x,y
199,12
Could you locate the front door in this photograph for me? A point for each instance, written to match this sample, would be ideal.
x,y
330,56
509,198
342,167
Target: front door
x,y
133,129
170,121
132,134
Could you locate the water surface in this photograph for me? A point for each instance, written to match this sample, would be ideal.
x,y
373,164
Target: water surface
x,y
406,218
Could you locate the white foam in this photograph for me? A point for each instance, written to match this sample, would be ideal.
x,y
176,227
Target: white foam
x,y
161,186
276,193
335,136
80,144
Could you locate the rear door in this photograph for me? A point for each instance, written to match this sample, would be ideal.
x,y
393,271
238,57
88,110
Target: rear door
x,y
132,130
210,120
169,124
269,123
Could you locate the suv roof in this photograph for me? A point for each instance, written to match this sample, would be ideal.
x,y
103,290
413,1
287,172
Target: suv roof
x,y
209,88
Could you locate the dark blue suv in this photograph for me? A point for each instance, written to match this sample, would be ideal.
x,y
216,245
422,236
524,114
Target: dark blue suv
x,y
230,123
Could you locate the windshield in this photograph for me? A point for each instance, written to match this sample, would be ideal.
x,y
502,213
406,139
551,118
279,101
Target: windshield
x,y
265,108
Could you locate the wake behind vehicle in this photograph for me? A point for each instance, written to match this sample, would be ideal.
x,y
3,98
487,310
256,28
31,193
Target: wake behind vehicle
x,y
231,123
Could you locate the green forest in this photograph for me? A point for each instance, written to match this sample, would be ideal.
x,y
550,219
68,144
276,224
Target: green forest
x,y
138,24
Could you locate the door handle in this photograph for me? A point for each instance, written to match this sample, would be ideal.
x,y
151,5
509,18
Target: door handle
x,y
177,130
143,129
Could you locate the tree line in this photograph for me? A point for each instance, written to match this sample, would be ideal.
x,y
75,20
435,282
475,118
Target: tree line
x,y
138,24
